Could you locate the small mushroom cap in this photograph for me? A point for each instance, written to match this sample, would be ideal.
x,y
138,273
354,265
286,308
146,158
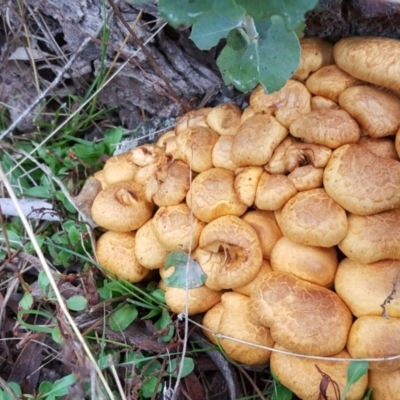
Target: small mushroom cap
x,y
361,182
266,227
225,119
372,238
119,168
375,337
382,147
200,299
332,128
173,184
377,111
192,119
306,177
257,139
364,287
330,81
246,182
301,376
384,384
99,175
175,227
235,322
229,253
122,207
211,321
287,104
221,154
312,218
371,59
212,195
273,191
303,317
195,146
313,264
276,164
323,103
250,287
116,252
247,113
299,154
148,250
163,139
315,53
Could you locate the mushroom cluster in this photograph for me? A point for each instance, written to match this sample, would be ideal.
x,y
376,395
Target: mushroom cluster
x,y
291,208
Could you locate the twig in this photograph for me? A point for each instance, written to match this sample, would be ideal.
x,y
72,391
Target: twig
x,y
33,209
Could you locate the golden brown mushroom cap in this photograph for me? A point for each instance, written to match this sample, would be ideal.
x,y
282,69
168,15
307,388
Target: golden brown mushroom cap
x,y
192,119
276,164
372,238
315,53
119,168
312,218
287,104
307,381
299,154
122,207
116,252
148,250
221,154
384,384
175,227
362,182
225,119
330,82
332,128
236,322
322,103
303,317
268,231
375,337
256,140
382,147
229,253
306,177
195,146
377,111
313,264
371,59
246,182
211,321
364,287
273,191
212,195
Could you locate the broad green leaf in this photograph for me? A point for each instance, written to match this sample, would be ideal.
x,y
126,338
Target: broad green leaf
x,y
209,29
74,235
172,368
90,154
13,238
151,386
123,317
163,322
188,273
292,11
236,41
111,138
60,387
56,335
183,12
26,302
43,280
45,387
159,295
355,371
270,60
42,192
77,303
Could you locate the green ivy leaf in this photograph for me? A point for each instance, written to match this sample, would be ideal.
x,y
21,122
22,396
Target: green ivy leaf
x,y
271,59
77,303
123,317
292,11
355,371
188,273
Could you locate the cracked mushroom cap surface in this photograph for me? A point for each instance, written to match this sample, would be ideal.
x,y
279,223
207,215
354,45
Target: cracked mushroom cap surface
x,y
385,384
119,168
364,287
308,379
331,128
229,253
376,110
303,317
225,119
212,195
116,252
375,337
361,182
175,227
371,59
312,218
371,238
122,207
221,154
235,321
246,182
